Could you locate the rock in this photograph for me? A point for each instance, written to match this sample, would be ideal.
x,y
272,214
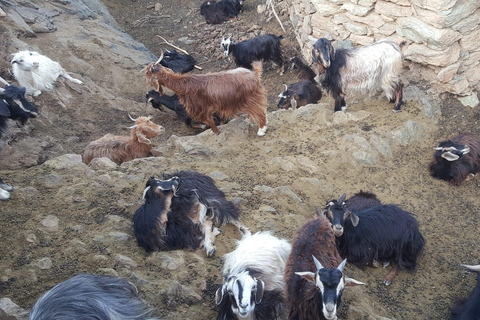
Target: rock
x,y
158,6
50,223
357,10
470,100
66,161
125,261
10,311
178,293
118,236
44,263
102,164
424,55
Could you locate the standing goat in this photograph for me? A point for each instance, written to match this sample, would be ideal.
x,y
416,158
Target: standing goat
x,y
37,72
314,273
224,93
88,296
13,105
253,279
469,309
183,211
221,11
380,233
264,47
456,160
365,69
120,149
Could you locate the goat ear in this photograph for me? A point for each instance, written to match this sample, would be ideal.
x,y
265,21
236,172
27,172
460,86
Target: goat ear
x,y
307,275
332,52
350,282
353,217
260,291
450,156
142,139
219,294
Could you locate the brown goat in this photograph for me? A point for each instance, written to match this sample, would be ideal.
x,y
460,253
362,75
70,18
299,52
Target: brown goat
x,y
225,93
120,149
315,295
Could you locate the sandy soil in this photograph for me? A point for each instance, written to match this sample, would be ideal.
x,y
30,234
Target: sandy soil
x,y
310,155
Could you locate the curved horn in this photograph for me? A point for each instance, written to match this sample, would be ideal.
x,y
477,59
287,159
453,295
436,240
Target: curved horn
x,y
132,118
473,268
145,192
133,127
317,263
342,265
3,81
161,57
286,87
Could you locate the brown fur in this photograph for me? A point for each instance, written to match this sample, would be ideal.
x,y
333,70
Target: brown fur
x,y
120,149
314,238
225,93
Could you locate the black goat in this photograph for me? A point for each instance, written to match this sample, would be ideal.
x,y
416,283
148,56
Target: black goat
x,y
173,103
304,71
221,11
364,69
183,211
381,233
299,94
178,62
265,47
469,309
13,105
456,160
88,296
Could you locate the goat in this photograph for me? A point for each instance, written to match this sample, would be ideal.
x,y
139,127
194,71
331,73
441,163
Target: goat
x,y
88,296
469,309
304,71
37,72
456,160
13,105
120,149
177,62
184,210
173,103
221,11
380,233
314,273
299,94
224,93
264,47
364,69
253,279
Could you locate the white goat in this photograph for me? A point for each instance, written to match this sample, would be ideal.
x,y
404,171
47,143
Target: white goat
x,y
37,72
253,283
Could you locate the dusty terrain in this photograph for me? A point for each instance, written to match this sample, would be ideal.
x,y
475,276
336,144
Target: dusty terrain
x,y
79,217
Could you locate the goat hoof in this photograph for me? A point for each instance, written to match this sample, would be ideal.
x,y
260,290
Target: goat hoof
x,y
211,251
216,231
396,111
375,264
386,282
4,195
386,264
6,187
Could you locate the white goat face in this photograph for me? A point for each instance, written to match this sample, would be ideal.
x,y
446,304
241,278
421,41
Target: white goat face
x,y
225,46
26,60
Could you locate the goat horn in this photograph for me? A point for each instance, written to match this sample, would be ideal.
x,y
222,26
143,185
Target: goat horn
x,y
473,268
317,263
286,87
161,57
465,150
145,192
342,265
149,117
132,118
3,81
133,127
438,148
2,90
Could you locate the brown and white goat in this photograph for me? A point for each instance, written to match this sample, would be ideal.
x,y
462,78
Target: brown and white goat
x,y
314,273
120,149
225,93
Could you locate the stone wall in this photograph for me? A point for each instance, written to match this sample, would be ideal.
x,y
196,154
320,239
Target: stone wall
x,y
443,36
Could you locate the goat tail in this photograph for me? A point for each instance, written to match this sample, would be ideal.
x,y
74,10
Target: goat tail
x,y
258,68
412,245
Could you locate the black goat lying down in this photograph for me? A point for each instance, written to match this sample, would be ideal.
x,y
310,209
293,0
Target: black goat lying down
x,y
380,233
178,62
221,11
469,309
173,103
299,94
88,296
184,210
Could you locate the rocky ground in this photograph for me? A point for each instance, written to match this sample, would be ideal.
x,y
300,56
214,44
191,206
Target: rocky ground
x,y
66,218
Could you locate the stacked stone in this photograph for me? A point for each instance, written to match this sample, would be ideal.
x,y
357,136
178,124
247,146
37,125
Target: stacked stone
x,y
442,35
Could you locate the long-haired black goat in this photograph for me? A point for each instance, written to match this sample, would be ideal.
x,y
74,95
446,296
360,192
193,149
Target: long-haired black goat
x,y
184,210
88,296
314,273
178,62
364,69
469,309
380,233
265,47
456,160
221,11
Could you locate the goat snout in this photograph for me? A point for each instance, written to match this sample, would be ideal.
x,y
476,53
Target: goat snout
x,y
337,230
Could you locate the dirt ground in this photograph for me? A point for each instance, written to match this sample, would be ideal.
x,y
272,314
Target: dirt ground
x,y
311,157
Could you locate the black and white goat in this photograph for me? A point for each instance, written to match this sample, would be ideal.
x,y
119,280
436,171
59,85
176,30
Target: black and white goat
x,y
253,279
13,105
456,160
178,62
88,296
365,70
264,47
221,11
314,273
184,210
469,309
380,233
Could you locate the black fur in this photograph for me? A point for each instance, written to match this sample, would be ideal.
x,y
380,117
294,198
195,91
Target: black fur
x,y
304,71
221,11
178,62
360,201
264,47
468,309
14,99
304,92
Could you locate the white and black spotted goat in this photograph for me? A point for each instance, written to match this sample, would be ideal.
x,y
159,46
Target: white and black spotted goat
x,y
253,279
364,70
184,210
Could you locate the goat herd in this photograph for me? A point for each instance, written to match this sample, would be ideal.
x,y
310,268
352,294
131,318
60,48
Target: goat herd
x,y
264,277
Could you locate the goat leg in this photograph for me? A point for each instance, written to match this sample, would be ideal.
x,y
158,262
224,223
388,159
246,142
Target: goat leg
x,y
391,275
209,237
398,97
243,229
